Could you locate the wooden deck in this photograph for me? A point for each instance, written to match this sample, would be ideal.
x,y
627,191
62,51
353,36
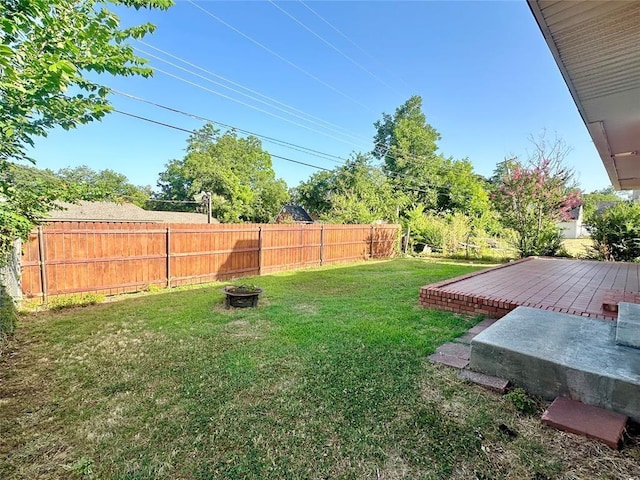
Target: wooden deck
x,y
578,287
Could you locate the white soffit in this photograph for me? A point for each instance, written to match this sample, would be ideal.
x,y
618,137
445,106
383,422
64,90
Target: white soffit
x,y
596,45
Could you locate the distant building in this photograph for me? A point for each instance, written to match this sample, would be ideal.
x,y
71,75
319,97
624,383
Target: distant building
x,y
293,214
602,206
573,226
85,211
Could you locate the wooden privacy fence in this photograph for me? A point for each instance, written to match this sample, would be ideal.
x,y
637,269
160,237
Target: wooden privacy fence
x,y
111,258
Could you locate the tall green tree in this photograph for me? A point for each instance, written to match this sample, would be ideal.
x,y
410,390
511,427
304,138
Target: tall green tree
x,y
408,148
47,48
28,195
355,192
103,185
236,171
463,191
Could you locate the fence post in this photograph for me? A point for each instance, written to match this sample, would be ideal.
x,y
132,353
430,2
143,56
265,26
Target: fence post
x,y
43,265
321,245
371,243
168,242
260,259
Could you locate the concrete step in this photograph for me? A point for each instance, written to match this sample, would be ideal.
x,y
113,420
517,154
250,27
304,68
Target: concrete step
x,y
555,354
582,419
628,328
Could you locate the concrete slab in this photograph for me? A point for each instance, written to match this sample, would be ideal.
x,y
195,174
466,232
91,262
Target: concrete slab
x,y
449,360
466,338
494,384
593,422
455,350
628,329
555,354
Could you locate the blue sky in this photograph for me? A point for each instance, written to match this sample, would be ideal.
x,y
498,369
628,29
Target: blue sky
x,y
483,70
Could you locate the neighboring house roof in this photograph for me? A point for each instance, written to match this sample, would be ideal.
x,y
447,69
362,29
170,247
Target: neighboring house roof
x,y
602,206
574,213
85,211
298,214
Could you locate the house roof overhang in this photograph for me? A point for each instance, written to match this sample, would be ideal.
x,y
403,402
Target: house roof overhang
x,y
596,45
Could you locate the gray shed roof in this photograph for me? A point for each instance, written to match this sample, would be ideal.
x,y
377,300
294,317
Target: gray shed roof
x,y
85,211
298,213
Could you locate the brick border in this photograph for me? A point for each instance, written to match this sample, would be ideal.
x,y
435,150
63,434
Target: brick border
x,y
432,296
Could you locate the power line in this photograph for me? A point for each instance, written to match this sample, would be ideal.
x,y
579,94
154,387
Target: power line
x,y
346,37
163,201
277,55
174,127
259,109
331,45
215,92
300,148
338,131
244,87
192,132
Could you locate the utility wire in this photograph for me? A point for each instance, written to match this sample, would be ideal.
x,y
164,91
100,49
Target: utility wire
x,y
376,145
276,141
215,92
337,131
163,201
300,148
341,129
331,45
186,130
192,132
277,55
346,37
244,87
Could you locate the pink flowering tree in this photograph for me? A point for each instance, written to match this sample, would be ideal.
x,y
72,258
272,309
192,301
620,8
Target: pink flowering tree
x,y
533,197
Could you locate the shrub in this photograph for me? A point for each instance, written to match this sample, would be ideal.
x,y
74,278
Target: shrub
x,y
522,401
616,232
70,301
8,315
457,233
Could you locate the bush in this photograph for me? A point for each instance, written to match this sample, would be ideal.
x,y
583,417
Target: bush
x,y
456,235
70,301
8,315
616,232
522,401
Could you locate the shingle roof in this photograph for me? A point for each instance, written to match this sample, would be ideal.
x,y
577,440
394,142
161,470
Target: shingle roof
x,y
85,211
602,206
574,213
298,213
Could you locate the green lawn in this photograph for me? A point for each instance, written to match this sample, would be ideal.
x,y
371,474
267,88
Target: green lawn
x,y
328,378
577,247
